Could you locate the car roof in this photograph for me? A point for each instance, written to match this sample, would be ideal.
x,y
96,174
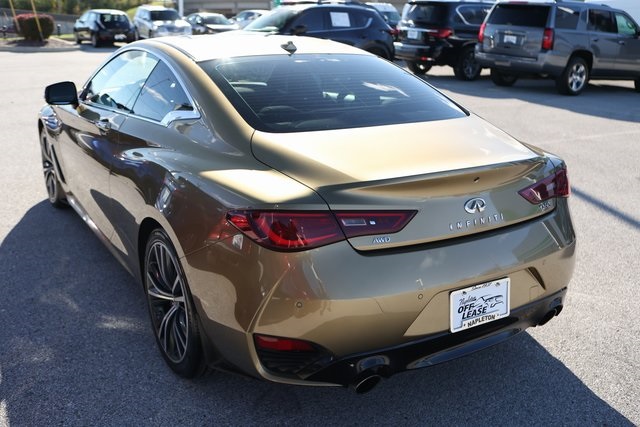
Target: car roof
x,y
111,11
245,43
155,7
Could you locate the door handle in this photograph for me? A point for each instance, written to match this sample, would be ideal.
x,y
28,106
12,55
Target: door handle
x,y
103,124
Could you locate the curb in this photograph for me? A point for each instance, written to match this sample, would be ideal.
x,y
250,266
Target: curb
x,y
34,49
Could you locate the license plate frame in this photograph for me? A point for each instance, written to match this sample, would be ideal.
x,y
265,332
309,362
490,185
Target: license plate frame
x,y
413,34
510,39
479,304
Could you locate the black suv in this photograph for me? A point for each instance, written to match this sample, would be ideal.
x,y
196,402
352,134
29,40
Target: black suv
x,y
357,25
569,42
103,26
441,33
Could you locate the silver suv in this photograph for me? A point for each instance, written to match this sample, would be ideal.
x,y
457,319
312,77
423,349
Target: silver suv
x,y
570,42
156,21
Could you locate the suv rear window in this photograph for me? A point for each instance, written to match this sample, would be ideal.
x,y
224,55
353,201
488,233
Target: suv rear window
x,y
425,13
567,18
301,93
519,15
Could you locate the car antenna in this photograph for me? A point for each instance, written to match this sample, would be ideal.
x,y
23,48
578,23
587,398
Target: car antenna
x,y
289,47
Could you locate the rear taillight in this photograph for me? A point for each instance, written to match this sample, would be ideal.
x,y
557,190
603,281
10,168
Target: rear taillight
x,y
481,32
296,230
556,185
547,39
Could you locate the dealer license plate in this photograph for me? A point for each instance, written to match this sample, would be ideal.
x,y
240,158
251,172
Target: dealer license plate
x,y
120,37
412,34
509,38
479,304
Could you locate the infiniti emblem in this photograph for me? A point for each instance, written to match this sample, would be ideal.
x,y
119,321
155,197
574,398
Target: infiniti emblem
x,y
476,205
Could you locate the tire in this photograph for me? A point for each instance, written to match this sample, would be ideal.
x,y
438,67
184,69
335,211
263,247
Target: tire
x,y
574,78
501,79
94,40
150,34
171,308
378,52
78,41
467,68
637,83
55,194
418,68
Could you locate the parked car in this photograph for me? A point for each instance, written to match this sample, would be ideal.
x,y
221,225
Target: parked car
x,y
246,16
353,24
158,21
210,23
388,11
103,26
570,42
247,181
441,33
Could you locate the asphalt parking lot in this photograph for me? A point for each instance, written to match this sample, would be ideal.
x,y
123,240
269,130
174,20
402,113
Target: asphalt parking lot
x,y
76,347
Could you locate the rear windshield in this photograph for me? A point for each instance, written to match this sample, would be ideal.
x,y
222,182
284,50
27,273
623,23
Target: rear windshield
x,y
308,92
164,15
114,20
520,15
425,13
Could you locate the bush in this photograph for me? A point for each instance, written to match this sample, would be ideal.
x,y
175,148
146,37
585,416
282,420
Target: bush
x,y
28,27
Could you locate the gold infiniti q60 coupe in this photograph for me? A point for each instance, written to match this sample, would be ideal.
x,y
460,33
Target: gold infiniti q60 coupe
x,y
305,212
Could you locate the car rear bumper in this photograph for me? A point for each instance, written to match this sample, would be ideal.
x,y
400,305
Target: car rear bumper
x,y
389,308
543,63
419,53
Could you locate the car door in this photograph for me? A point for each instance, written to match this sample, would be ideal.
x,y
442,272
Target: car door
x,y
92,131
603,39
139,176
82,26
628,62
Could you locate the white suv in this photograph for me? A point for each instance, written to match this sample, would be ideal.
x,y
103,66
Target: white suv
x,y
158,21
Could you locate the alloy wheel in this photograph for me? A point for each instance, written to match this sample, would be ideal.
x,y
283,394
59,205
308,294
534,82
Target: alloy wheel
x,y
165,288
54,191
577,77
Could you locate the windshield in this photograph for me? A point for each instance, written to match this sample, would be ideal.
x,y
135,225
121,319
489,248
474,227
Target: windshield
x,y
273,21
429,13
308,92
164,15
215,20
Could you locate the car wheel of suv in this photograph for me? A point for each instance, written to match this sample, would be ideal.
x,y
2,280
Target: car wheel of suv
x,y
502,79
78,41
172,312
418,67
467,67
574,78
94,40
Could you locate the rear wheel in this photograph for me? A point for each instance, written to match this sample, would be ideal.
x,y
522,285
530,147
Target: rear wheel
x,y
55,194
78,41
94,40
467,68
574,78
418,67
502,79
173,315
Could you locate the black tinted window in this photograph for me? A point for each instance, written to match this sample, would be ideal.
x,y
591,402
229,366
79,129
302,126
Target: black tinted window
x,y
164,15
312,19
471,14
520,15
425,13
602,21
160,95
320,92
567,18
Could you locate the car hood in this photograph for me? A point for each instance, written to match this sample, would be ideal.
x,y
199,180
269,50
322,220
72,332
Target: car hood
x,y
433,168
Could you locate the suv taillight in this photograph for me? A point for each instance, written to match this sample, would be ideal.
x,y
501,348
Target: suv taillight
x,y
481,33
440,33
547,39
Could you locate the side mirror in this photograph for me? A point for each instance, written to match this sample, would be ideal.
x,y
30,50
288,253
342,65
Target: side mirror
x,y
299,30
63,93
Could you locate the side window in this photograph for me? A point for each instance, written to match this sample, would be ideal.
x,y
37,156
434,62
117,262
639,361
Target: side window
x,y
118,83
311,19
472,15
626,26
161,94
360,19
340,20
601,21
567,18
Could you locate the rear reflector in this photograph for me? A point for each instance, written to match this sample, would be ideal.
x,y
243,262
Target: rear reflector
x,y
556,185
266,342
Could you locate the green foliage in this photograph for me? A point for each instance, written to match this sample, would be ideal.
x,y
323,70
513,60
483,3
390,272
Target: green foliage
x,y
29,26
72,7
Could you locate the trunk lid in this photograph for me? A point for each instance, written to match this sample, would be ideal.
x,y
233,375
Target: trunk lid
x,y
435,168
